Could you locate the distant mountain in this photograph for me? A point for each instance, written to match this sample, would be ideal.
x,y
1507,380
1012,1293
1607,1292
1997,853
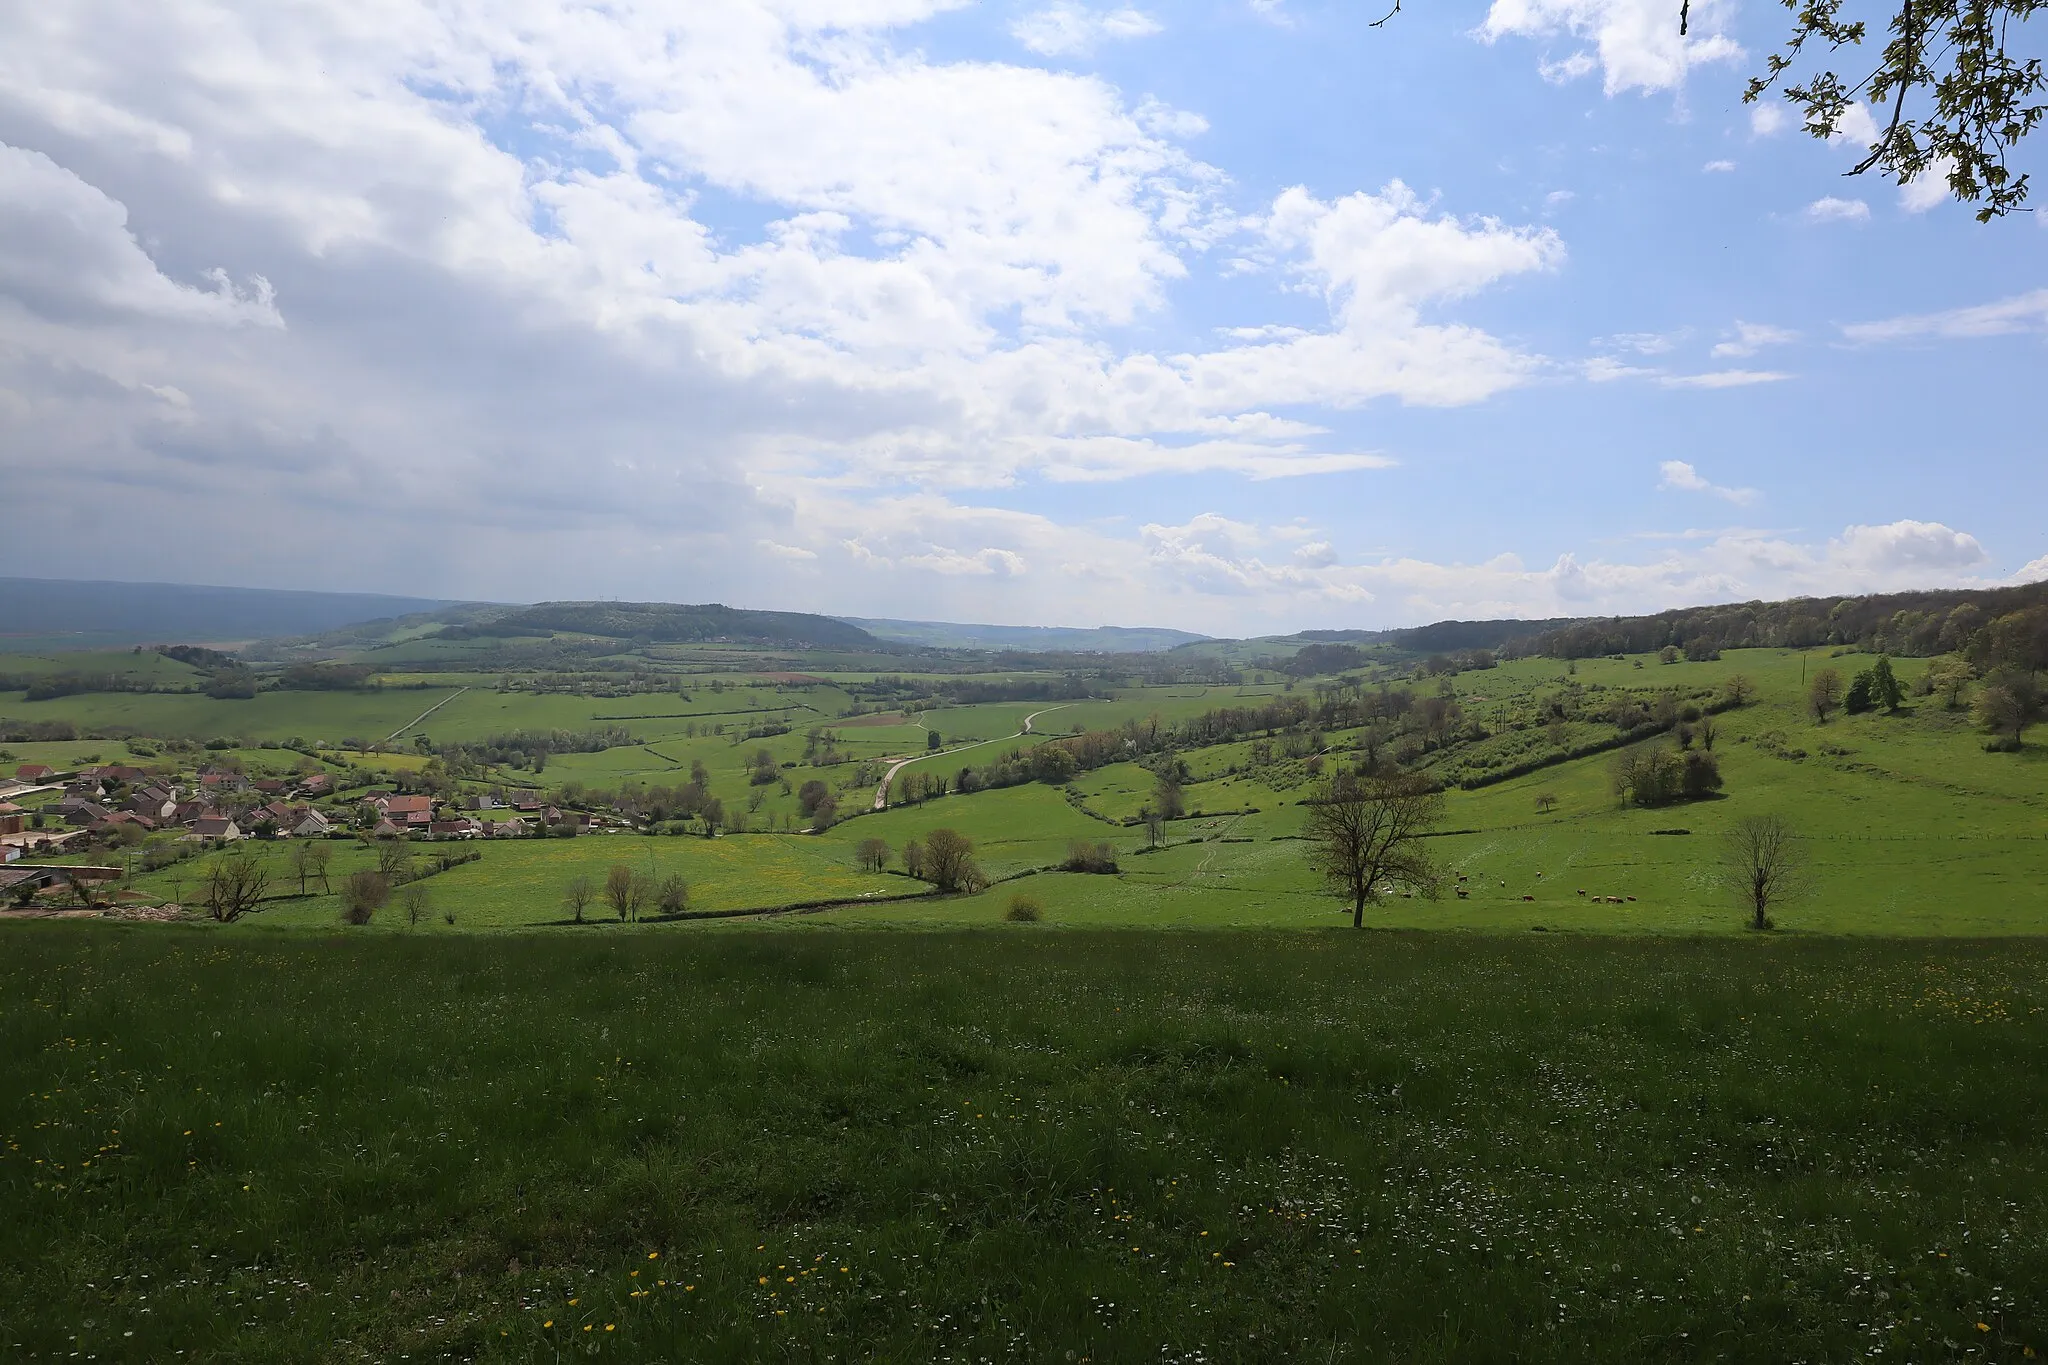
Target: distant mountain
x,y
42,613
1036,639
669,623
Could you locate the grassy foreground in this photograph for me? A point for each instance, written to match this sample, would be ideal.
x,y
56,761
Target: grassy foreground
x,y
1096,1146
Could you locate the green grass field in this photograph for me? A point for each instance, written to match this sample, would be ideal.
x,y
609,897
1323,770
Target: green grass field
x,y
1127,1147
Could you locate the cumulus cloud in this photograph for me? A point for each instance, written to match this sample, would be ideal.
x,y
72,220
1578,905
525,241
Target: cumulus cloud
x,y
1927,189
1068,28
1908,547
1766,119
66,251
629,279
1683,477
2021,313
1750,337
1833,210
1716,167
1635,44
2035,572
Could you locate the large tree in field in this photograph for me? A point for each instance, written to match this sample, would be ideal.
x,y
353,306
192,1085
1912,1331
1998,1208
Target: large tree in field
x,y
233,883
1365,835
1764,864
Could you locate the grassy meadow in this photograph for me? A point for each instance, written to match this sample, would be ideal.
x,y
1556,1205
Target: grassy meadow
x,y
1123,1146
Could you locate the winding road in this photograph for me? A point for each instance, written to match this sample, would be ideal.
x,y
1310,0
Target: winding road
x,y
882,791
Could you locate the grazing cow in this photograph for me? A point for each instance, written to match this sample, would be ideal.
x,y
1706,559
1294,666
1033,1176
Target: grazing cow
x,y
1528,898
1582,891
1463,893
1631,900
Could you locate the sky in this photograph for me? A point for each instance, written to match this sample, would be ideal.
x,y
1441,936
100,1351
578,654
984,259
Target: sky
x,y
1238,316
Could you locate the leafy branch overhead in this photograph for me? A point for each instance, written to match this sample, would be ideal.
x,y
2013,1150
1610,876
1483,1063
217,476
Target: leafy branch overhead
x,y
1954,98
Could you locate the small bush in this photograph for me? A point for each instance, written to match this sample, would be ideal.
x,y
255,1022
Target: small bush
x,y
1023,910
363,894
1083,856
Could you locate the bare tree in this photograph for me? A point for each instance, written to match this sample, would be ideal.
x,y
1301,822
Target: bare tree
x,y
394,860
1707,731
301,859
1764,864
318,855
871,855
578,896
1824,694
233,883
416,903
623,890
1365,836
1154,823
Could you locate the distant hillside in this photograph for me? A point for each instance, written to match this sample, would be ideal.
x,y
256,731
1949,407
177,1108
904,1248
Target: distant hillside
x,y
1033,639
39,613
1909,623
670,623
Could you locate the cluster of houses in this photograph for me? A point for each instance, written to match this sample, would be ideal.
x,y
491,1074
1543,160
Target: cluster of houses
x,y
220,805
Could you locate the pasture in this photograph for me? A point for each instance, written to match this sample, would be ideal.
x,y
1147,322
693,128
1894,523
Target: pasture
x,y
1127,1147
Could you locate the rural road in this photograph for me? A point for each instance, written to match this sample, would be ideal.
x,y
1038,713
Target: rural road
x,y
882,791
424,714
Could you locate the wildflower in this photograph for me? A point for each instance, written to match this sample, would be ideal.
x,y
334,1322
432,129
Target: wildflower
x,y
1983,1326
549,1323
653,1255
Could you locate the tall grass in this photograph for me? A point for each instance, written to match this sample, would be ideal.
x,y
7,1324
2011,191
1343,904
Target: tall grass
x,y
994,1146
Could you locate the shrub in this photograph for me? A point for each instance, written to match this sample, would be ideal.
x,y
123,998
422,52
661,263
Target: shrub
x,y
1023,910
672,895
363,894
871,855
1083,856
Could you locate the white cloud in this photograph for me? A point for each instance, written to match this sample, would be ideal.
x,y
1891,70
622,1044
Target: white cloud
x,y
1928,189
1166,121
1580,63
2022,313
1316,554
1833,210
2035,572
1723,379
781,551
1751,337
1766,118
1636,42
1907,546
1717,167
1557,199
1683,477
1069,28
67,253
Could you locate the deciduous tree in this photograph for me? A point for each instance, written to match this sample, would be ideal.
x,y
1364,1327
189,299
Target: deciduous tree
x,y
1764,865
1364,836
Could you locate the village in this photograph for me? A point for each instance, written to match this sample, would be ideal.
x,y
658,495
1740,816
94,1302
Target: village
x,y
118,806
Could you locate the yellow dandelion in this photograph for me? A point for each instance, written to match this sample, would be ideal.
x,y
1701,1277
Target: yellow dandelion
x,y
653,1255
1983,1326
549,1323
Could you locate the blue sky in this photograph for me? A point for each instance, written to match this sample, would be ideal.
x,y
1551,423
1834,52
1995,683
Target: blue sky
x,y
1234,315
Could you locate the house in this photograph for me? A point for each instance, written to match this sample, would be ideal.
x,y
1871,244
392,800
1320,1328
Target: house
x,y
316,785
35,772
269,786
453,829
123,817
313,826
409,806
215,827
185,812
12,818
9,853
79,811
152,802
386,830
117,772
527,804
508,829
